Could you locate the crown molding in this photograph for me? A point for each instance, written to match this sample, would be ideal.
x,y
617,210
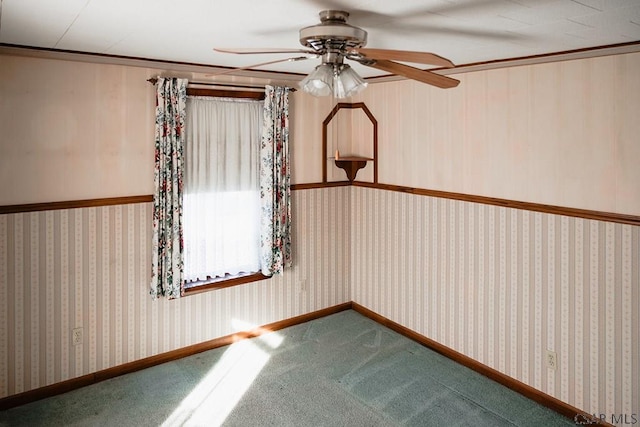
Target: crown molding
x,y
174,68
275,77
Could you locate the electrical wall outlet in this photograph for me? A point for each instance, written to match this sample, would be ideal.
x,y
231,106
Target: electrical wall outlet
x,y
552,360
76,336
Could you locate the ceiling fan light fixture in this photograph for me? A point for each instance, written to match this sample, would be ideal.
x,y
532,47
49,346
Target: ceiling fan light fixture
x,y
319,82
339,80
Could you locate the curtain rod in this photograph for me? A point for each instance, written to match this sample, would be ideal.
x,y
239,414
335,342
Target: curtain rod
x,y
154,80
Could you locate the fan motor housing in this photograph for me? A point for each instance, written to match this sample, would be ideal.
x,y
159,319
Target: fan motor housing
x,y
333,33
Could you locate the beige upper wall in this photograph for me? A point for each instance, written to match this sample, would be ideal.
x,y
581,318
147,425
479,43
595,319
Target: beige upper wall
x,y
74,130
563,133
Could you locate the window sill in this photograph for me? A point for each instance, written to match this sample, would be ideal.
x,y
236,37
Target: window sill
x,y
225,283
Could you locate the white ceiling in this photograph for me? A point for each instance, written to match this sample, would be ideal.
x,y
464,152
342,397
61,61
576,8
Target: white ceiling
x,y
464,31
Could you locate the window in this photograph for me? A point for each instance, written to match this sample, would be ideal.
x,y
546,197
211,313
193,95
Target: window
x,y
221,205
167,258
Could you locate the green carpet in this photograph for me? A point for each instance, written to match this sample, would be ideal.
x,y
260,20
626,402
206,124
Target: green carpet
x,y
340,370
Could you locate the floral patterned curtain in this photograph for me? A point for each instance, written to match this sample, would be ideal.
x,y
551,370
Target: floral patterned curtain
x,y
275,193
167,250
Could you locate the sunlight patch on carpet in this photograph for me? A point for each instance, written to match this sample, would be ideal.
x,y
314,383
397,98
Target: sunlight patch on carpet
x,y
213,399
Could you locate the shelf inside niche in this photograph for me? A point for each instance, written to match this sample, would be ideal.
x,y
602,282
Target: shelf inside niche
x,y
351,164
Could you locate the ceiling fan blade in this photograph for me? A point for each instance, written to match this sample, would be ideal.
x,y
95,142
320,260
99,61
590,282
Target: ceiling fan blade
x,y
247,51
249,67
406,55
423,76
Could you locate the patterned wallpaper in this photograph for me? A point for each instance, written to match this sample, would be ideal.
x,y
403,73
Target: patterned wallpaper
x,y
503,285
499,285
90,268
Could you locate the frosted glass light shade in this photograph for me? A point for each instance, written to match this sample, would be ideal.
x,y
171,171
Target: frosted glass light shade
x,y
339,80
347,83
319,82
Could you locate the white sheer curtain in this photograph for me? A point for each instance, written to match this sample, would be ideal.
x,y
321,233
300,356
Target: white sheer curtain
x,y
221,219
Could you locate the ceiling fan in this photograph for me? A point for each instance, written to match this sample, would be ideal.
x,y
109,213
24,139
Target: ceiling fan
x,y
334,40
